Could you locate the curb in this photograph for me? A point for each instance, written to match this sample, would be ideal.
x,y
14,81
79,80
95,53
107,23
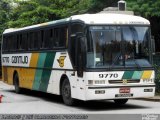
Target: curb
x,y
154,99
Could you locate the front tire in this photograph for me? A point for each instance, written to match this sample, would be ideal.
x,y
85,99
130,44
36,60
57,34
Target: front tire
x,y
66,93
120,101
16,84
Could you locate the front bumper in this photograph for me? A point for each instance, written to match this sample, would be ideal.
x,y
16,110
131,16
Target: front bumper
x,y
113,92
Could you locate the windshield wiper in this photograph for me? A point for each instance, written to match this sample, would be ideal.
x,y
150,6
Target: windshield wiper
x,y
138,66
116,58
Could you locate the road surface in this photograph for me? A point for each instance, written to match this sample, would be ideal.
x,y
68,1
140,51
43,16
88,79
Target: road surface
x,y
32,102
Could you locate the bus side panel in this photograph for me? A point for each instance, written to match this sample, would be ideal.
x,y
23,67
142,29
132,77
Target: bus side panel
x,y
43,71
4,74
26,77
30,76
61,66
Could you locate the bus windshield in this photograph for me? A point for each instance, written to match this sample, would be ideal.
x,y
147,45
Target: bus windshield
x,y
118,46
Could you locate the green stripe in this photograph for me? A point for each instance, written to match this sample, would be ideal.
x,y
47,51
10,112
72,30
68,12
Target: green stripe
x,y
46,73
128,75
137,74
38,74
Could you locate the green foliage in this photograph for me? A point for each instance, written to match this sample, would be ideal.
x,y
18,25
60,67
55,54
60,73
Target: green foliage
x,y
146,8
157,79
37,11
32,12
4,15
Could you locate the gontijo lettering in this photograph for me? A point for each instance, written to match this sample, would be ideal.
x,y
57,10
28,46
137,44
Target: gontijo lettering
x,y
20,59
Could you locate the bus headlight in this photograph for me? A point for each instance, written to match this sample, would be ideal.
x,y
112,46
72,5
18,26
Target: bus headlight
x,y
90,82
96,82
99,81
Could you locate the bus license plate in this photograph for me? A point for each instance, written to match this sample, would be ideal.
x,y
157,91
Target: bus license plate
x,y
124,95
124,90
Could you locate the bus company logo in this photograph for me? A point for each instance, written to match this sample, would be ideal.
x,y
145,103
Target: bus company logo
x,y
124,81
61,61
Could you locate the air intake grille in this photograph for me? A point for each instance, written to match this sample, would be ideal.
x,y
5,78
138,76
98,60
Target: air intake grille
x,y
123,81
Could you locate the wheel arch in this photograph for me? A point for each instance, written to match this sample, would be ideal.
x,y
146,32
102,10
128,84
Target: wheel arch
x,y
14,73
63,77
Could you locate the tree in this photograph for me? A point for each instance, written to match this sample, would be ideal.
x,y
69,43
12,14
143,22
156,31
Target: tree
x,y
32,12
37,11
146,8
4,15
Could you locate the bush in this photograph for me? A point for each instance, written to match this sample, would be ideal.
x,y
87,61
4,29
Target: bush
x,y
157,78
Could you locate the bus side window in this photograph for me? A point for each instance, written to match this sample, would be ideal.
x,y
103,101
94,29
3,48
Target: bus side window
x,y
60,37
10,43
17,41
51,39
4,47
48,36
20,41
56,37
14,43
39,39
33,41
41,34
63,37
24,41
7,43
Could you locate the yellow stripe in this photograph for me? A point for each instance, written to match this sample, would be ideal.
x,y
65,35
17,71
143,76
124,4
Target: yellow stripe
x,y
147,74
34,60
31,72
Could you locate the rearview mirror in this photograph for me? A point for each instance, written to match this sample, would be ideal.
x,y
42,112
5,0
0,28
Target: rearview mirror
x,y
81,53
153,45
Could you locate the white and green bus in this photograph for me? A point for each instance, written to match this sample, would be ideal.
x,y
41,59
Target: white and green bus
x,y
84,57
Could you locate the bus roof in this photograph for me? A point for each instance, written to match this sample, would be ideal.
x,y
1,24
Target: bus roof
x,y
98,19
111,18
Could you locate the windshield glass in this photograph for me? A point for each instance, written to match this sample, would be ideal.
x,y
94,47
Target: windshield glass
x,y
118,46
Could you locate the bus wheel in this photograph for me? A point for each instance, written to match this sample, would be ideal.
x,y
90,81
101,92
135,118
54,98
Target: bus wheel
x,y
66,93
16,83
120,101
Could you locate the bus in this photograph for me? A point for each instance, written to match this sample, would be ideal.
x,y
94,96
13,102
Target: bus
x,y
83,57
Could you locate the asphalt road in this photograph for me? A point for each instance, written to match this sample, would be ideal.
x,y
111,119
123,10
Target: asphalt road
x,y
32,102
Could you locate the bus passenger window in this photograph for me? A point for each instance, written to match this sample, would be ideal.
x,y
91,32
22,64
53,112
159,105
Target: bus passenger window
x,y
33,41
48,36
10,43
14,45
41,34
60,37
24,41
4,47
56,37
63,37
18,42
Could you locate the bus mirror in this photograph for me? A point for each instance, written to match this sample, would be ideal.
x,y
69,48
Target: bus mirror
x,y
79,34
153,45
80,55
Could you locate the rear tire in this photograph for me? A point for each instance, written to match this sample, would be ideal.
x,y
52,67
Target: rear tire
x,y
120,101
16,84
66,93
